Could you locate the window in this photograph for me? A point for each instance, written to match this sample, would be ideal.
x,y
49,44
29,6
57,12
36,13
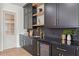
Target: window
x,y
9,19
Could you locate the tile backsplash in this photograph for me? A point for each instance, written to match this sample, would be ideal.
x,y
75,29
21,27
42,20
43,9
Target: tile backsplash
x,y
56,33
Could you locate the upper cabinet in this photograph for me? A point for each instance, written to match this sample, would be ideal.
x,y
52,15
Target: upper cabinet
x,y
62,15
50,15
28,16
68,15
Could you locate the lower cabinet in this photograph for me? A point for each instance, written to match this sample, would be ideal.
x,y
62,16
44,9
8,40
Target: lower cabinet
x,y
77,50
22,40
55,52
69,51
63,51
43,49
29,45
26,43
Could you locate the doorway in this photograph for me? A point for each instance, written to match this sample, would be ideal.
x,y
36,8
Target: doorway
x,y
9,35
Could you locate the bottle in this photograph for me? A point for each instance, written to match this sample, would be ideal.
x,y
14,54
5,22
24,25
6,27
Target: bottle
x,y
68,39
63,38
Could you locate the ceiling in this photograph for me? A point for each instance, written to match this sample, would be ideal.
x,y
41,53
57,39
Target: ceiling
x,y
19,4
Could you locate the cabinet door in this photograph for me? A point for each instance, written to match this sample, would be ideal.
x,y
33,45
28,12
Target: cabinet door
x,y
70,51
29,7
30,20
68,15
44,49
54,51
38,48
28,16
50,15
22,40
26,24
26,43
34,47
29,44
77,51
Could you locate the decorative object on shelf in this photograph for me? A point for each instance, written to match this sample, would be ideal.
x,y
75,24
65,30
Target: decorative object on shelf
x,y
41,35
30,33
69,33
68,39
40,9
39,14
63,38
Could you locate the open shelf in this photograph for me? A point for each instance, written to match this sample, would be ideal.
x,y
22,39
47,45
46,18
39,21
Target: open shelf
x,y
36,4
37,25
36,36
38,14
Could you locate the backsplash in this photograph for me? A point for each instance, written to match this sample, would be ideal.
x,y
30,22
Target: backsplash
x,y
57,32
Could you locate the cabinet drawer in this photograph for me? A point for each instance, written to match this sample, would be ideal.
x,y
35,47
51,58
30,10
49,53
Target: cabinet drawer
x,y
66,50
63,50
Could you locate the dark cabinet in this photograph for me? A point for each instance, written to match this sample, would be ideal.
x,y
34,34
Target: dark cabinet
x,y
34,47
63,15
63,50
28,16
30,20
68,14
26,24
22,40
26,43
29,45
43,48
77,51
55,52
50,15
69,51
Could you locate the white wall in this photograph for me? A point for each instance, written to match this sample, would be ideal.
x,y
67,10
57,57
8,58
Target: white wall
x,y
0,31
19,19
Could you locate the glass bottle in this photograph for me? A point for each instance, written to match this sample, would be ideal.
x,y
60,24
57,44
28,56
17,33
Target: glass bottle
x,y
63,40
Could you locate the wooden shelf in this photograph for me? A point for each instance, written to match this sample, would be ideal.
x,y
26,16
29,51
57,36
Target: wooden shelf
x,y
36,4
38,14
37,25
36,36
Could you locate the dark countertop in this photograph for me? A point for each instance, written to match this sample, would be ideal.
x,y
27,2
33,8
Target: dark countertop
x,y
56,41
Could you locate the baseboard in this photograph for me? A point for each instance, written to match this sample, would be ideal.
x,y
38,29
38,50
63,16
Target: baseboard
x,y
1,50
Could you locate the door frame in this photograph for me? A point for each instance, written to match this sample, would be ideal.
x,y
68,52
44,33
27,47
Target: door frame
x,y
3,23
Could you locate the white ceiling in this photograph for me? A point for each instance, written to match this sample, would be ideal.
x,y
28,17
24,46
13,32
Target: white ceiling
x,y
19,4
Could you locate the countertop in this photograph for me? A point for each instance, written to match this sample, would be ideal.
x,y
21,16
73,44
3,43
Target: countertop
x,y
56,41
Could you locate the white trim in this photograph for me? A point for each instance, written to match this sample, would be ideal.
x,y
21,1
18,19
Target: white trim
x,y
13,13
